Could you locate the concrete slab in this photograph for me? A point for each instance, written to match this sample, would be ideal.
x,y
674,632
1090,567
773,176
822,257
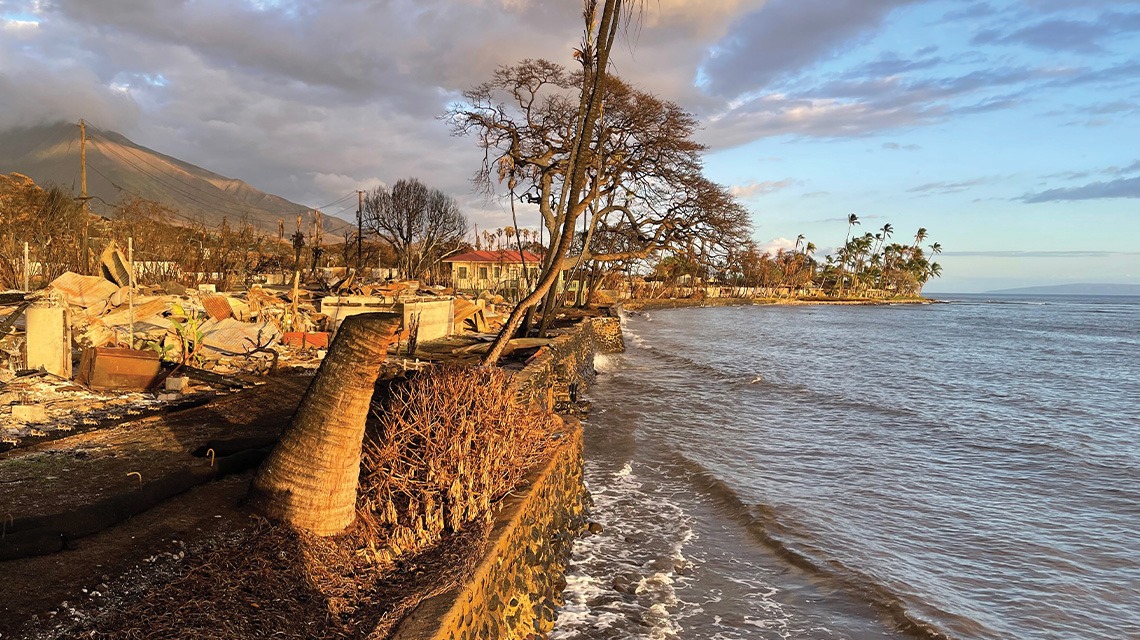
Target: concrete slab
x,y
48,339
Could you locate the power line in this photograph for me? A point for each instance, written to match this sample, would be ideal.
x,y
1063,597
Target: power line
x,y
326,206
221,201
113,150
226,207
174,212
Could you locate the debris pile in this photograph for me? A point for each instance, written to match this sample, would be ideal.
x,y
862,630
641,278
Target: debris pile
x,y
102,340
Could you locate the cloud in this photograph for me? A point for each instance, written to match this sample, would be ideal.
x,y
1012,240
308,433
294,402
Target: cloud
x,y
786,36
1059,34
1122,188
311,99
894,146
776,115
776,244
1039,254
943,188
31,95
755,189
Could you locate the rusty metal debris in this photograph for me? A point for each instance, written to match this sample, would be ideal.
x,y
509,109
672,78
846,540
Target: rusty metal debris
x,y
105,368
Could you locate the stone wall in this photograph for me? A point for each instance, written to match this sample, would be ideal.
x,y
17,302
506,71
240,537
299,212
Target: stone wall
x,y
560,371
518,584
679,303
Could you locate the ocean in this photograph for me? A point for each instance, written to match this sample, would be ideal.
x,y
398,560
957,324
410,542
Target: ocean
x,y
962,470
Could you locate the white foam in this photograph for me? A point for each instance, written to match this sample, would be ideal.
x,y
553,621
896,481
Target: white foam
x,y
606,363
650,607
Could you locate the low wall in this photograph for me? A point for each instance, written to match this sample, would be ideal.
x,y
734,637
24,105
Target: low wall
x,y
517,586
560,371
679,303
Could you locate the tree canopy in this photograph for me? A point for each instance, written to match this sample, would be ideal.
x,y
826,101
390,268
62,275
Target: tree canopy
x,y
418,222
644,179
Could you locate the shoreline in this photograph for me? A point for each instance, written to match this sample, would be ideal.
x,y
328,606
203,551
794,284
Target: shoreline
x,y
679,303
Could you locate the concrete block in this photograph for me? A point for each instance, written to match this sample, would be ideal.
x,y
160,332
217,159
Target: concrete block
x,y
49,339
29,413
180,383
169,396
436,318
337,308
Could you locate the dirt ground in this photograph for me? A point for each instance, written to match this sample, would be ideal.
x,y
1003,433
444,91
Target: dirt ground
x,y
58,476
61,594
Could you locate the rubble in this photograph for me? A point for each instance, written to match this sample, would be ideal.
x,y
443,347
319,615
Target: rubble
x,y
127,340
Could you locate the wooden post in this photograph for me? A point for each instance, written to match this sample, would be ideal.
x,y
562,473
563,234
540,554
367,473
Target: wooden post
x,y
360,231
83,195
131,288
26,268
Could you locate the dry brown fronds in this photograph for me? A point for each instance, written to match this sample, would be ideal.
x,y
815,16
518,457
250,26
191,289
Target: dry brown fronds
x,y
447,445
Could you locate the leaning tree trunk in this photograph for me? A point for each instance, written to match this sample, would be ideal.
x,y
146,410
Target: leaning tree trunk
x,y
310,477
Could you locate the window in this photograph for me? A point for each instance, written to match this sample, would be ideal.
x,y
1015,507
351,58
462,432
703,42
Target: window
x,y
498,272
482,273
461,273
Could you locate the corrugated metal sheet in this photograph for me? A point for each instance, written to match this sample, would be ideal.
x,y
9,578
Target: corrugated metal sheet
x,y
217,307
83,291
233,337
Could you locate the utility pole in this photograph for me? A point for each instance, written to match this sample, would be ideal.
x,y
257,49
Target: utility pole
x,y
83,194
359,230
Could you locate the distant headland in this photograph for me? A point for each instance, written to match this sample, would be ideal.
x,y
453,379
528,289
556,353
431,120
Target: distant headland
x,y
1079,289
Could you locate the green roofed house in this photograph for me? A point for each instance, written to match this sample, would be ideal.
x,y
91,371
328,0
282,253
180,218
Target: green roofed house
x,y
499,271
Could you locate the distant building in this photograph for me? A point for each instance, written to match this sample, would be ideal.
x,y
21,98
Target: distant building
x,y
498,271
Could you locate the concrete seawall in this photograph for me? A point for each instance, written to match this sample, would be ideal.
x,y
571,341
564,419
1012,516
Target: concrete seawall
x,y
518,582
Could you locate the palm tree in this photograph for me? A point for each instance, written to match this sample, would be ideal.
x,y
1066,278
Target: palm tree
x,y
919,236
809,249
852,220
309,479
934,271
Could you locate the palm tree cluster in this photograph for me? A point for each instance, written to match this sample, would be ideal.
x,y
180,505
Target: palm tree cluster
x,y
866,266
508,237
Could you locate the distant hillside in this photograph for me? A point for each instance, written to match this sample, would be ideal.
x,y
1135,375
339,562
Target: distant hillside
x,y
1083,289
116,166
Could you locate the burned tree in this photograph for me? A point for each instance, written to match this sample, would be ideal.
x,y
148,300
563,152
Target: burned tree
x,y
419,223
587,145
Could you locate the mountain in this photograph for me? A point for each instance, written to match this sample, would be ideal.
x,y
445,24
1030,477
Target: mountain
x,y
117,167
1083,289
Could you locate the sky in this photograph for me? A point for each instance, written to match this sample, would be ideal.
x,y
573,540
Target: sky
x,y
1009,129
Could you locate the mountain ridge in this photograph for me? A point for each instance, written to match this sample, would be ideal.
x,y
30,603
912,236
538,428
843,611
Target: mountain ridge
x,y
49,154
1076,289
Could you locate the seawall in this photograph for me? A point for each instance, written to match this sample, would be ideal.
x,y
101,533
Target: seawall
x,y
517,584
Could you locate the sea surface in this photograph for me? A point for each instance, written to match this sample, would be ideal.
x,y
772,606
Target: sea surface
x,y
961,470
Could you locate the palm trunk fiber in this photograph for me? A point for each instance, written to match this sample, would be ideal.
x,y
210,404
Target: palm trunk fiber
x,y
310,478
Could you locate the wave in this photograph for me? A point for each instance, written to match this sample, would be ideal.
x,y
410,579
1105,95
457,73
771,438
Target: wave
x,y
765,524
767,381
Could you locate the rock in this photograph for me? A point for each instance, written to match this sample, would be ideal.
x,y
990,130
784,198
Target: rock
x,y
178,383
625,584
595,528
174,288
